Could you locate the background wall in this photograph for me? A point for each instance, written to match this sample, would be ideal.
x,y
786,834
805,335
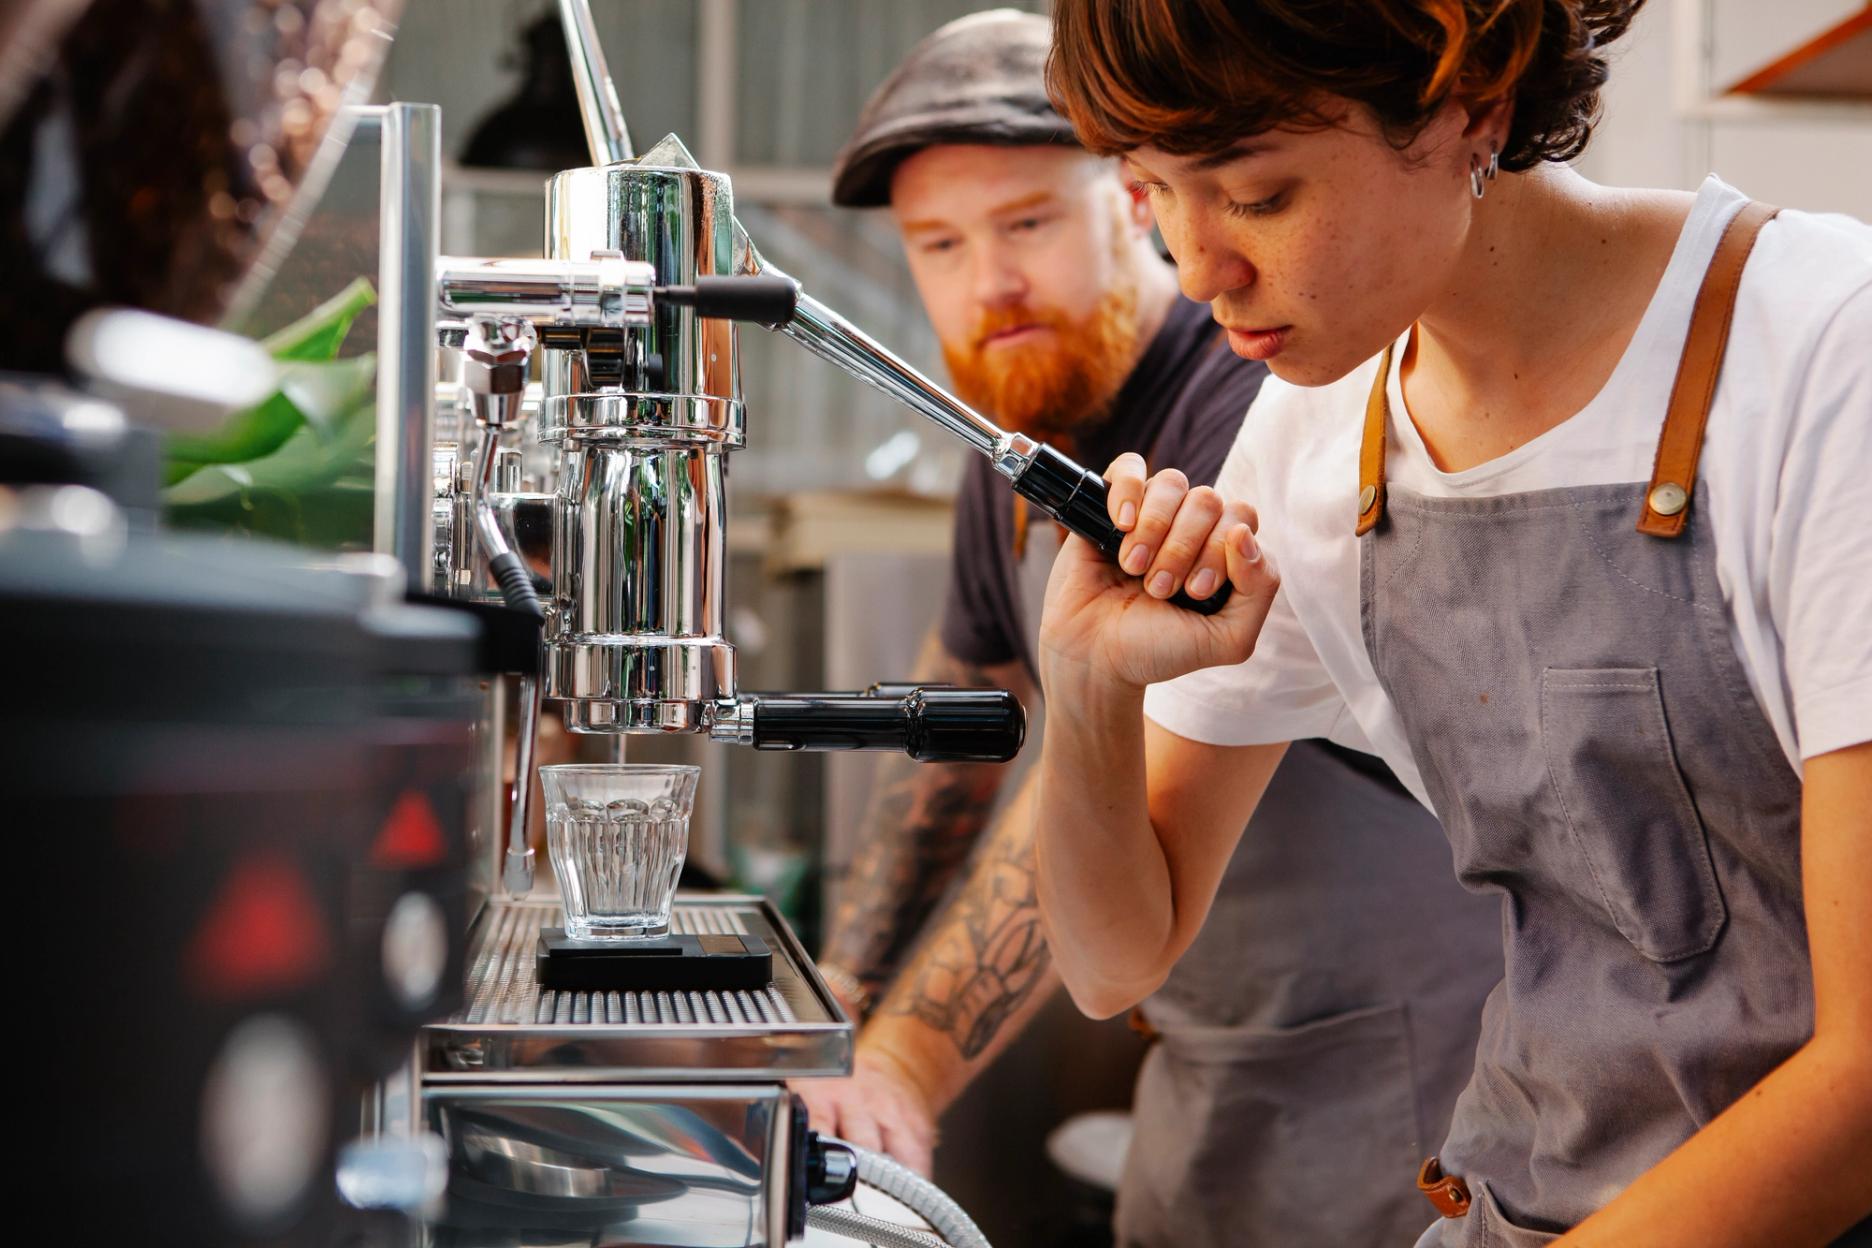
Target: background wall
x,y
1661,129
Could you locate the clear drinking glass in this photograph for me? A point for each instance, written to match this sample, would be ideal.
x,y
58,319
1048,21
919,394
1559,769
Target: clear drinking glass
x,y
617,834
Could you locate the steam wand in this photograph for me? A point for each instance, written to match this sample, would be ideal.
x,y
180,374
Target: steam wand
x,y
496,354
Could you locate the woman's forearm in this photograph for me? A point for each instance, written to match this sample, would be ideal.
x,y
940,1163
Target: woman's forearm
x,y
1787,1166
1104,883
1790,1163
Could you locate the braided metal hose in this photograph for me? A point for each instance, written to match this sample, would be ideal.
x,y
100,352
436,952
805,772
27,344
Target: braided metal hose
x,y
924,1198
853,1225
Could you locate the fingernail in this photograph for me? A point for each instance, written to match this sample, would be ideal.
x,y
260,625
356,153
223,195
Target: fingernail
x,y
1137,560
1202,584
1161,584
1127,515
1250,549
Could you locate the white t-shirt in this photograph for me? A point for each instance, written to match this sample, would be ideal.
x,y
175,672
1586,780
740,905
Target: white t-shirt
x,y
1785,482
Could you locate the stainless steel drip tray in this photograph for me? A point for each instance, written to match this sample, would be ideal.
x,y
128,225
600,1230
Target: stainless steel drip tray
x,y
514,1030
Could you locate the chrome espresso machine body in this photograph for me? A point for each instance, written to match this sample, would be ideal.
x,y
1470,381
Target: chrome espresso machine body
x,y
622,1116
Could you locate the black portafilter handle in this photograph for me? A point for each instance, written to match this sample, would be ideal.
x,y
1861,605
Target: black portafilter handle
x,y
1075,496
931,725
765,301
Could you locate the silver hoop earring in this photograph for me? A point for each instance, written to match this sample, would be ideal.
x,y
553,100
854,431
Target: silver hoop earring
x,y
1480,173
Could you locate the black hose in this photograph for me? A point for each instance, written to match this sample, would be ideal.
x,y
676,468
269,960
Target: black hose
x,y
516,583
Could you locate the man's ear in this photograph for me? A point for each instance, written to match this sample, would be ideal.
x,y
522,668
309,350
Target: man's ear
x,y
1137,209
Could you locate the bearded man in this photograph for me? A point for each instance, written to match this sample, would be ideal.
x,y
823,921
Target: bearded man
x,y
1311,1044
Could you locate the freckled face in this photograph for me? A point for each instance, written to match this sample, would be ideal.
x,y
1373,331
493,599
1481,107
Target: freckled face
x,y
1315,248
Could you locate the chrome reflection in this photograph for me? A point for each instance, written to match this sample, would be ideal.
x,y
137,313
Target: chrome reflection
x,y
651,1165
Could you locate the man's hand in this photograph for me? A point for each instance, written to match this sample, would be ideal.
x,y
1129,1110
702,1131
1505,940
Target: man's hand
x,y
880,1107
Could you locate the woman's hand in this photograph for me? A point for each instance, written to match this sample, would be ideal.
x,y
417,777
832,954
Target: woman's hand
x,y
1111,624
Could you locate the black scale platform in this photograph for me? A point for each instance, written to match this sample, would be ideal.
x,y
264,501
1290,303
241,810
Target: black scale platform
x,y
714,961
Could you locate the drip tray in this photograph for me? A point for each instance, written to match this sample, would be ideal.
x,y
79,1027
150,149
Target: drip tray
x,y
513,1029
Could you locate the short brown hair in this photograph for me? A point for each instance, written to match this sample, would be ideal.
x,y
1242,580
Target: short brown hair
x,y
1194,76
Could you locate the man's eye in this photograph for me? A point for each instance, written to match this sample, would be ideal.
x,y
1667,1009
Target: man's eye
x,y
939,247
1156,190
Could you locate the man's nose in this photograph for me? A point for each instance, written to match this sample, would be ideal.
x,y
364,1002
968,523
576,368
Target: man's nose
x,y
1207,264
997,279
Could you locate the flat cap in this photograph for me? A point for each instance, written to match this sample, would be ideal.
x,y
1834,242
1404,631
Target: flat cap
x,y
980,79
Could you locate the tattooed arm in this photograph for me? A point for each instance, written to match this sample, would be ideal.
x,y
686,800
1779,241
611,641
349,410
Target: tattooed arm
x,y
978,976
924,820
982,970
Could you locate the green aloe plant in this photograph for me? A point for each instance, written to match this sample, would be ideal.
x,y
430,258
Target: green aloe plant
x,y
297,466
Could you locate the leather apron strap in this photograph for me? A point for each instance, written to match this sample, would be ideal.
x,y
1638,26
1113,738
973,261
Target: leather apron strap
x,y
1673,476
1680,445
1371,449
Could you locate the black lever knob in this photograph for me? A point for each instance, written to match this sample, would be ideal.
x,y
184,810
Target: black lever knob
x,y
930,725
1075,496
765,301
831,1170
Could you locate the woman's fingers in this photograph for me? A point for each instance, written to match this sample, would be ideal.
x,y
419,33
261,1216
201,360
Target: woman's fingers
x,y
1179,538
1126,476
1211,567
1251,572
1156,512
1183,542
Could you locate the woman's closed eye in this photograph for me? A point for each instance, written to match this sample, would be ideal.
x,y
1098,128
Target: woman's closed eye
x,y
1259,207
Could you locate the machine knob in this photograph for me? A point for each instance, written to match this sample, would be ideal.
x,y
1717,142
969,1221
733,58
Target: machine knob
x,y
767,301
831,1170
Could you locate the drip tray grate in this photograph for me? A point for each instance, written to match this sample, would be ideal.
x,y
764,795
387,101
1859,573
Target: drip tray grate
x,y
502,988
513,1028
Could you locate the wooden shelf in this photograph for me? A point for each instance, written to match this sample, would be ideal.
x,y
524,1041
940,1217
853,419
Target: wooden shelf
x,y
1835,64
811,526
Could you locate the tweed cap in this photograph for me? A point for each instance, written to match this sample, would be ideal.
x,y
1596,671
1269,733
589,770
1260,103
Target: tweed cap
x,y
980,79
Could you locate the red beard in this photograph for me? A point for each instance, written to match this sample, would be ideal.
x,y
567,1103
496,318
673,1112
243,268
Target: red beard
x,y
1065,380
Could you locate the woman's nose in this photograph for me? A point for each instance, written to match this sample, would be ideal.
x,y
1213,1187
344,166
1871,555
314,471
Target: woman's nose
x,y
1208,265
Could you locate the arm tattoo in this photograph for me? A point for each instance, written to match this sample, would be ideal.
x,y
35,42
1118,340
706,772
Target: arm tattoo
x,y
986,956
919,831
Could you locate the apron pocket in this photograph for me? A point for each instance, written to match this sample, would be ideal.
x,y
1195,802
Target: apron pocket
x,y
1251,1136
1496,1231
1610,762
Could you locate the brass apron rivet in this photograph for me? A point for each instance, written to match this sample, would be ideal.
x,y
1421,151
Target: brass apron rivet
x,y
1669,499
1366,498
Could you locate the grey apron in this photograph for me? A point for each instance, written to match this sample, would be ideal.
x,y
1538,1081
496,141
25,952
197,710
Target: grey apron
x,y
1589,737
1311,1043
1324,1020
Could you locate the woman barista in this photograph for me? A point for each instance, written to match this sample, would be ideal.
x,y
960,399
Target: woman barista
x,y
1569,492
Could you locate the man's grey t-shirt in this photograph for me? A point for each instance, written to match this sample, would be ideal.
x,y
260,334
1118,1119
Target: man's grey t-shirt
x,y
1180,408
